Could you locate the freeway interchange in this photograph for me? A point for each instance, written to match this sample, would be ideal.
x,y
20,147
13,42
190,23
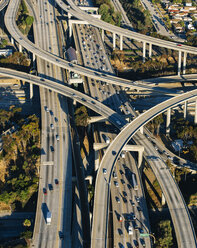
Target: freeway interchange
x,y
184,230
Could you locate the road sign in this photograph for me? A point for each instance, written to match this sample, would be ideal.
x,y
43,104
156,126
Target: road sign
x,y
144,234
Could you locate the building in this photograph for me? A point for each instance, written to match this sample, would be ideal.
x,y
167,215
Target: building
x,y
5,52
71,55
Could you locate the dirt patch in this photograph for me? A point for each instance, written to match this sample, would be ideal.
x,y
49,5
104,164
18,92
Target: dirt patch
x,y
2,171
4,207
152,188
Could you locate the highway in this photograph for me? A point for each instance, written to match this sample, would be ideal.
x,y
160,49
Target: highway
x,y
56,161
87,40
116,146
113,118
81,15
3,3
50,57
183,225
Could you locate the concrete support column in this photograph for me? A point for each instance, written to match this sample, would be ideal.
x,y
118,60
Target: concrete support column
x,y
96,161
163,200
69,15
114,41
179,64
184,62
144,51
74,102
103,34
140,157
34,59
185,110
150,50
168,117
121,42
12,41
195,116
20,48
142,130
70,30
31,91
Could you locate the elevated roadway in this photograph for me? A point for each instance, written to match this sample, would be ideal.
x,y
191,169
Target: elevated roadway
x,y
182,222
81,15
10,22
3,3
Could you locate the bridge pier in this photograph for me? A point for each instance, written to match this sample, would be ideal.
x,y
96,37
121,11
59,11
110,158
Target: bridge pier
x,y
163,199
185,110
179,63
96,160
168,117
103,34
70,31
121,42
20,48
142,130
144,52
184,62
195,116
114,41
150,50
12,41
31,91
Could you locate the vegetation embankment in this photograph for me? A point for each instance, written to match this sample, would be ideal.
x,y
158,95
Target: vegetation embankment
x,y
107,12
3,43
17,61
130,65
24,21
139,17
19,159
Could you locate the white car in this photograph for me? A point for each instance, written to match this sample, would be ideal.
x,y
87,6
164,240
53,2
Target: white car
x,y
52,126
104,171
57,137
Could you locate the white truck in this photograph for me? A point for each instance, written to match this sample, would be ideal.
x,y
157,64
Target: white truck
x,y
130,230
48,218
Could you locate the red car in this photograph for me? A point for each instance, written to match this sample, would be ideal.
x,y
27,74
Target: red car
x,y
45,191
179,45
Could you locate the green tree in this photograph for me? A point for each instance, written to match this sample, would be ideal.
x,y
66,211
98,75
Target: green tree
x,y
27,223
164,234
29,20
158,120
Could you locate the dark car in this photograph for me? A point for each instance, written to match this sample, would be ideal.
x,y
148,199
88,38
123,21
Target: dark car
x,y
56,181
45,191
61,235
50,187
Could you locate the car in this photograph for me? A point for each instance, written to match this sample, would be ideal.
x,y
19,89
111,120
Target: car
x,y
51,112
57,137
117,199
132,203
56,181
61,235
46,108
124,193
50,186
45,191
70,64
121,172
113,153
114,174
178,44
122,181
137,199
52,148
116,184
52,126
120,232
124,200
83,99
141,230
104,171
41,79
139,208
73,94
